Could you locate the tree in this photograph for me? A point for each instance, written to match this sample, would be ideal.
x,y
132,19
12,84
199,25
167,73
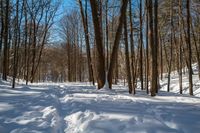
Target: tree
x,y
154,84
6,43
180,48
189,48
133,62
156,41
128,71
99,43
141,45
147,48
85,25
16,44
113,57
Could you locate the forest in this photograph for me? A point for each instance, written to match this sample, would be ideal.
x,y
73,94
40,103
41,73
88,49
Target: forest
x,y
100,41
99,66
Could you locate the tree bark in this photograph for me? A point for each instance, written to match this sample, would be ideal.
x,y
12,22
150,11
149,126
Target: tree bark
x,y
180,48
141,47
189,48
128,71
6,43
156,41
99,42
153,55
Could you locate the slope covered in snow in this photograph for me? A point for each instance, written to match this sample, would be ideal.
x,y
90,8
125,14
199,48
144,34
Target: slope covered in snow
x,y
174,83
80,108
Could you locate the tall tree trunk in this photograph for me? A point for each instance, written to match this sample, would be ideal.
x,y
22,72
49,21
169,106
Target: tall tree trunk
x,y
147,50
6,43
107,36
16,44
171,51
80,59
28,52
33,49
161,57
116,42
99,42
180,48
141,46
25,39
132,48
156,41
85,25
189,48
2,31
153,55
128,71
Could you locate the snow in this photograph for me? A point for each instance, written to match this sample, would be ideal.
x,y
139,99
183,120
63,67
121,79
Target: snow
x,y
81,108
174,84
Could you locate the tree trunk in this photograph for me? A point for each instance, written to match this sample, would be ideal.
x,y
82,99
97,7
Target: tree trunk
x,y
180,48
153,55
2,31
16,45
141,47
99,42
5,50
85,25
189,48
156,41
116,42
107,36
147,50
132,48
128,71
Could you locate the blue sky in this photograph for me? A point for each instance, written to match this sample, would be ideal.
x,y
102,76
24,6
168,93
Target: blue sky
x,y
66,6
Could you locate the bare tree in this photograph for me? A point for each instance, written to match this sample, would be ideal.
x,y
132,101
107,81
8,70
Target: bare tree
x,y
85,25
128,71
189,48
153,50
6,43
99,43
116,42
141,45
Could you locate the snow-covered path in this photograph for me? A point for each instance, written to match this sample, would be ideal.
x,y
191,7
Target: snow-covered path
x,y
78,108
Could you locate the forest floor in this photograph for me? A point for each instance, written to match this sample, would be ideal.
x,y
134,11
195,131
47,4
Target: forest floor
x,y
81,108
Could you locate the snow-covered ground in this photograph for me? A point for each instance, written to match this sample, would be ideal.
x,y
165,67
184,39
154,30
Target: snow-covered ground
x,y
174,83
80,108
